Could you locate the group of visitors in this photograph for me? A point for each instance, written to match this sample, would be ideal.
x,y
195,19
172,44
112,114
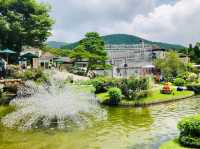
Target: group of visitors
x,y
3,65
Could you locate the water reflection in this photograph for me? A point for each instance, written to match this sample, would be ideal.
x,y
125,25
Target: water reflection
x,y
142,128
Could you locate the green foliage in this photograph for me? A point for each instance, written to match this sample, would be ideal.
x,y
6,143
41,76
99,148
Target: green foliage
x,y
192,77
55,44
183,75
132,88
190,141
98,85
172,144
188,77
23,22
190,131
56,51
92,49
115,96
170,66
193,52
4,110
179,82
190,125
33,74
128,39
101,84
194,87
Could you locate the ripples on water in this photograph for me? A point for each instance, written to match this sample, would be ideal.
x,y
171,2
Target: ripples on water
x,y
149,127
124,128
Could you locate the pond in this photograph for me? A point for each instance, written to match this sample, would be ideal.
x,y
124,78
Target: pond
x,y
124,128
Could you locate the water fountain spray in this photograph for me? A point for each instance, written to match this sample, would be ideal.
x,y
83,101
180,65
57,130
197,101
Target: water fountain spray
x,y
54,105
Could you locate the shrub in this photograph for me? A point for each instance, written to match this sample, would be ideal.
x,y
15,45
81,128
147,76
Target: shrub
x,y
134,88
189,141
194,87
184,75
98,84
130,88
190,125
33,74
188,76
115,96
138,83
179,82
11,88
12,70
101,84
192,77
190,131
123,85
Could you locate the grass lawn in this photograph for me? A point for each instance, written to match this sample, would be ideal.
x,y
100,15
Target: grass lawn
x,y
172,145
84,88
5,110
155,96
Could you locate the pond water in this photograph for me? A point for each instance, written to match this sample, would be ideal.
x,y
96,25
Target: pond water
x,y
124,128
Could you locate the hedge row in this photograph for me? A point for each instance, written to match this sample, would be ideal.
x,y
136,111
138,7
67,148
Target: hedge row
x,y
190,131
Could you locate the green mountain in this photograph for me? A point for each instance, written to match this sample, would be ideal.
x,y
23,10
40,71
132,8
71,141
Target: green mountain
x,y
55,44
128,39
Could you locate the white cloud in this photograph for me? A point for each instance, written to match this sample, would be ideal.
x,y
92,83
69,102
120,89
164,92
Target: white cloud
x,y
175,22
75,17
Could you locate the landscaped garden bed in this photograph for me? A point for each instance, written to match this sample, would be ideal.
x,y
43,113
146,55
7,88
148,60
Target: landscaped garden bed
x,y
136,91
155,98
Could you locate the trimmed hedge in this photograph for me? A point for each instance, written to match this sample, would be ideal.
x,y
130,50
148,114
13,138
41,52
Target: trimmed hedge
x,y
115,96
190,131
179,82
190,141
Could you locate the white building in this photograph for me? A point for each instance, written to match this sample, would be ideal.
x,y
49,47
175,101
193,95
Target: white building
x,y
32,50
129,60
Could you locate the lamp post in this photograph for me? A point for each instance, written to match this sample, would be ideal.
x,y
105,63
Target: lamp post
x,y
111,63
125,67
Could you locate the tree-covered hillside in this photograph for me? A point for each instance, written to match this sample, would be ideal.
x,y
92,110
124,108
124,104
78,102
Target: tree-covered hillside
x,y
128,39
56,44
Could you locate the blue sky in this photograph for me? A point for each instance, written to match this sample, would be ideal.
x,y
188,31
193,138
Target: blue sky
x,y
173,21
159,2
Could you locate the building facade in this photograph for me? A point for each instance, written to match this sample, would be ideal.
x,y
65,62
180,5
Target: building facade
x,y
129,60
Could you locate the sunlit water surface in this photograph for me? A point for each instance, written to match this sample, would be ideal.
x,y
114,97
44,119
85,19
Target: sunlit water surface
x,y
124,128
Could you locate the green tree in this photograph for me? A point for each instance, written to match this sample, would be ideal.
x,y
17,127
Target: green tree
x,y
193,52
170,66
91,48
23,22
56,51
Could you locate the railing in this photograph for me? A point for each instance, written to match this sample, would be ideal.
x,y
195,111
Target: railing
x,y
9,81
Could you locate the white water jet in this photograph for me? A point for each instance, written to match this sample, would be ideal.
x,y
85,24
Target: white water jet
x,y
54,106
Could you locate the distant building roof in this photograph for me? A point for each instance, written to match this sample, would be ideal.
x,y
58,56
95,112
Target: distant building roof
x,y
47,55
63,60
33,50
